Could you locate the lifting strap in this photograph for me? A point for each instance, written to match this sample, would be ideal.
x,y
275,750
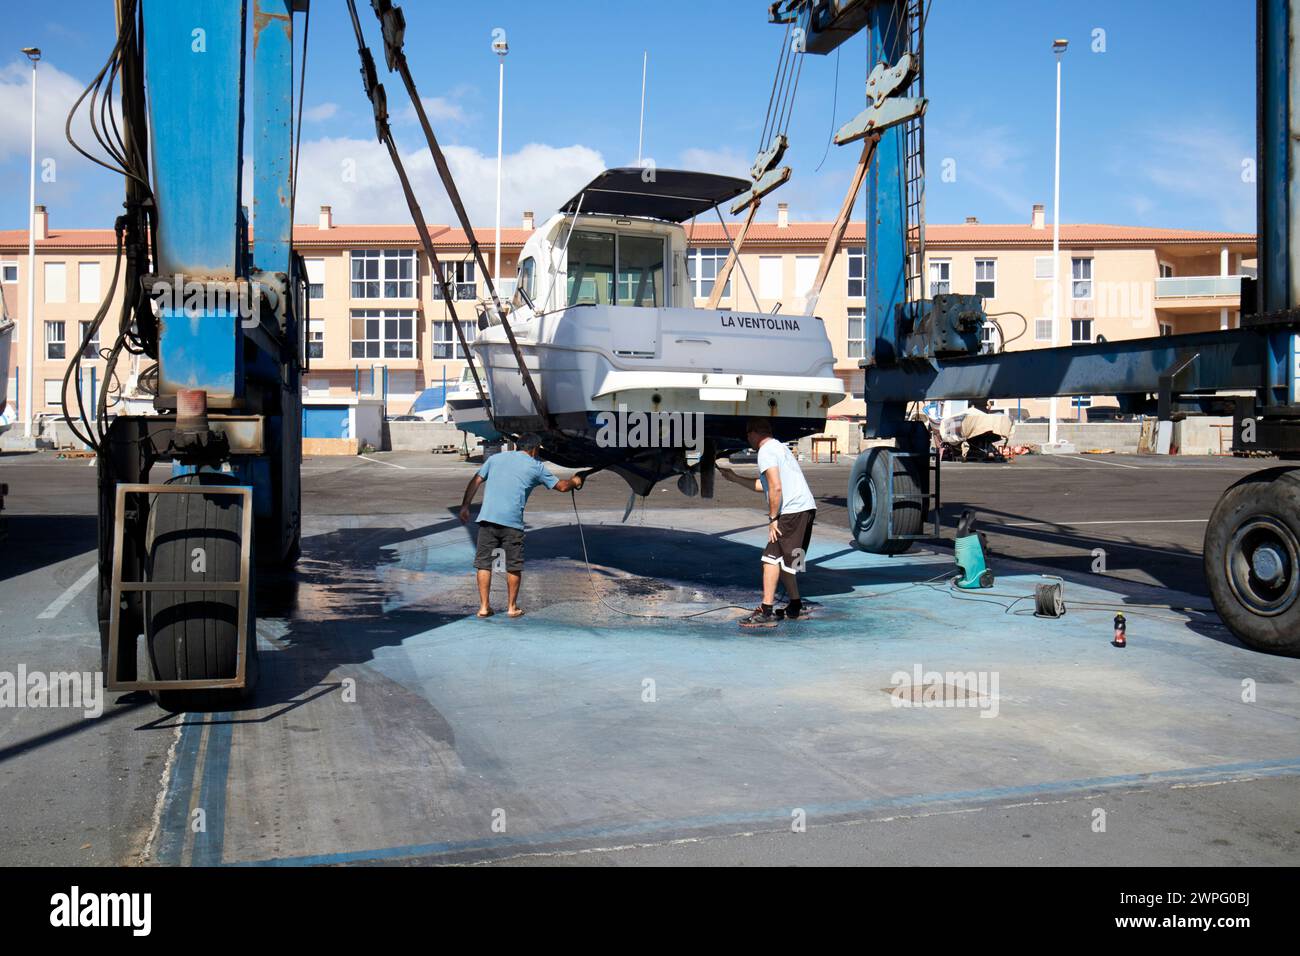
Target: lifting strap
x,y
393,25
840,224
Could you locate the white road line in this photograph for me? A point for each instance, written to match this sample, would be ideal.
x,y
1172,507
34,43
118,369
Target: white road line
x,y
1078,524
378,462
1103,461
64,599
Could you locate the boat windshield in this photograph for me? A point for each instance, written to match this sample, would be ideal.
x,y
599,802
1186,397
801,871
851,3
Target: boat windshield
x,y
596,257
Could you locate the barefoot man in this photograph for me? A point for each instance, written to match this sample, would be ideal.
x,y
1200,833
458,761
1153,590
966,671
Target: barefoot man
x,y
791,511
510,477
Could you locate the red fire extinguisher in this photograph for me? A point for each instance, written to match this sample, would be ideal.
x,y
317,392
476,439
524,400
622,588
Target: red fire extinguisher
x,y
1121,628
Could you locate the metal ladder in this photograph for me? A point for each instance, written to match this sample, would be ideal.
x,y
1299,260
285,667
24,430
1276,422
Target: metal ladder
x,y
930,501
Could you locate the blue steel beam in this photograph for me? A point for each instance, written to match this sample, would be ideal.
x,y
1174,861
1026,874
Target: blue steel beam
x,y
1238,359
273,146
194,66
886,206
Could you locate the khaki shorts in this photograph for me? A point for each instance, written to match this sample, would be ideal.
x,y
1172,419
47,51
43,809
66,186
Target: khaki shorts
x,y
790,550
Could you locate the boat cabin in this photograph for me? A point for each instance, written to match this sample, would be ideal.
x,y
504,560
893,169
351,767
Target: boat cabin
x,y
620,241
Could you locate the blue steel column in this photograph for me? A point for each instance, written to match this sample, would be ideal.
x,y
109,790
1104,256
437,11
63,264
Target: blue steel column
x,y
1279,204
886,228
273,144
886,246
194,65
273,178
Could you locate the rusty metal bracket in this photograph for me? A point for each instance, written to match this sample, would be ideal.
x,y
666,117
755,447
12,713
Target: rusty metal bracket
x,y
886,109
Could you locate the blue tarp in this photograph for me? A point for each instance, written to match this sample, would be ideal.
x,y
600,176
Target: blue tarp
x,y
430,399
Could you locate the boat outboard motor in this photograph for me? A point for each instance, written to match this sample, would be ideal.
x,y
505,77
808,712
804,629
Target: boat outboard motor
x,y
968,550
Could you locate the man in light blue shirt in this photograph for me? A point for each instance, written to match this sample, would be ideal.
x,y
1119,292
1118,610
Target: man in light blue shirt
x,y
510,477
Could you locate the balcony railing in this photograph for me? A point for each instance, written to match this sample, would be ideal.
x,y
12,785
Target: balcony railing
x,y
1187,287
460,290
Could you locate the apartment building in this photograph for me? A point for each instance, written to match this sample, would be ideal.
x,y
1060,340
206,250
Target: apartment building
x,y
379,325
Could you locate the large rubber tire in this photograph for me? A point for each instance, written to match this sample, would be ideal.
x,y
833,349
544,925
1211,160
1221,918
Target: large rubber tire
x,y
193,635
868,491
1260,510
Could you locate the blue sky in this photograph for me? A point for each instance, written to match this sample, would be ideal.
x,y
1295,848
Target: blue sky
x,y
1155,127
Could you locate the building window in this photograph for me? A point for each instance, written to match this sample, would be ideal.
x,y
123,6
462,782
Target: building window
x,y
702,268
1081,287
54,393
1166,271
55,342
805,273
857,257
383,333
316,338
857,333
1080,331
1043,268
1166,328
1042,330
460,278
940,276
986,278
56,282
771,283
446,344
315,278
91,349
990,340
8,272
87,281
383,273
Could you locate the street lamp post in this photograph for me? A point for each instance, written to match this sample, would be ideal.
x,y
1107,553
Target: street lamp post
x,y
501,47
1058,47
33,54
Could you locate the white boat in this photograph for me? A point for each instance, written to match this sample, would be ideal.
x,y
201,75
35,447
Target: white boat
x,y
466,409
605,321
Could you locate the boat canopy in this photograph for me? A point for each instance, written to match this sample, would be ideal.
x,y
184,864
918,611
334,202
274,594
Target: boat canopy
x,y
672,195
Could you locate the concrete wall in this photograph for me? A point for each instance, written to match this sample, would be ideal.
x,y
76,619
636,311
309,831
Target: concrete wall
x,y
1192,436
1199,436
1121,437
424,436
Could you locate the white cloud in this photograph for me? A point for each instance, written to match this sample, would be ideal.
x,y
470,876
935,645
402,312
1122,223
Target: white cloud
x,y
322,111
725,162
357,179
988,159
1196,171
65,180
439,109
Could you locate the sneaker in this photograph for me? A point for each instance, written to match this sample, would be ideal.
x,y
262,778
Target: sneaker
x,y
759,618
804,609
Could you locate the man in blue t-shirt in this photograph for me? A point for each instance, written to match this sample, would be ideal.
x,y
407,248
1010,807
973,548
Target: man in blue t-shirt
x,y
510,477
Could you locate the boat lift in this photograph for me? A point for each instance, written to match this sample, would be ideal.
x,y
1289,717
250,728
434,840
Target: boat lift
x,y
218,321
929,349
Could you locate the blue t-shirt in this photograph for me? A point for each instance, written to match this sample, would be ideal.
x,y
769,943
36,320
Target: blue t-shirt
x,y
510,477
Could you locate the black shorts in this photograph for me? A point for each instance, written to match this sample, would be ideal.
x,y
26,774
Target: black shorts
x,y
499,548
790,550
